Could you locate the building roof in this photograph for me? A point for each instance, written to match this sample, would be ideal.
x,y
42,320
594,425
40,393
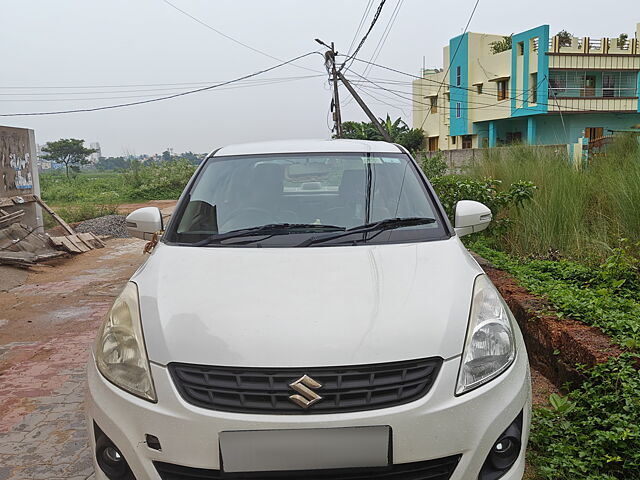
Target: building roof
x,y
308,146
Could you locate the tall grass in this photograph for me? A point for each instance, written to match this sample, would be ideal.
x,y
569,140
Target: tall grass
x,y
577,213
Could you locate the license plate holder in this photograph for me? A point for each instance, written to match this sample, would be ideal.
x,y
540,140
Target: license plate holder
x,y
305,449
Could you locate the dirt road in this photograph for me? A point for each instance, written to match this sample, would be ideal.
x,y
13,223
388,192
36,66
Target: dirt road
x,y
46,327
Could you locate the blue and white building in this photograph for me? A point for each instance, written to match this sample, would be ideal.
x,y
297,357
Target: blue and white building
x,y
542,91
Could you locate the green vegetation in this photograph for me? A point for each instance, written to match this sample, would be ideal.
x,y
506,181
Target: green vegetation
x,y
71,152
606,296
577,214
594,432
410,138
572,236
501,45
94,194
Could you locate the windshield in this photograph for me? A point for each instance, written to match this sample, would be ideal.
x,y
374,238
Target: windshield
x,y
296,199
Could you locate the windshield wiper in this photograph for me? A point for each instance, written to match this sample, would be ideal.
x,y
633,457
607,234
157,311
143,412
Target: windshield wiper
x,y
381,226
269,229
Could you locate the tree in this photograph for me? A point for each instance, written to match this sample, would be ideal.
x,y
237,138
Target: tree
x,y
564,38
622,40
69,151
502,45
410,138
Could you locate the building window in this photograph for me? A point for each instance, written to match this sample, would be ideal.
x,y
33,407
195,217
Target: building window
x,y
467,141
458,76
434,104
479,88
503,89
533,81
433,144
458,109
593,133
453,140
520,48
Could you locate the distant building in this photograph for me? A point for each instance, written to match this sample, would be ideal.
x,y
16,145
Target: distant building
x,y
542,91
94,157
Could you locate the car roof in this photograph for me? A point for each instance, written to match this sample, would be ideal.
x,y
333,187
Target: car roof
x,y
308,146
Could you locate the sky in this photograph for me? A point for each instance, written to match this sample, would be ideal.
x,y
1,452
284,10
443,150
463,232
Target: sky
x,y
73,54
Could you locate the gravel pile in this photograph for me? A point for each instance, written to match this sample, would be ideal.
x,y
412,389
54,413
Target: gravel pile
x,y
112,225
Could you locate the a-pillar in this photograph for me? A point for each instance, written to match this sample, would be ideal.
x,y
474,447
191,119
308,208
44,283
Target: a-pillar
x,y
531,130
492,134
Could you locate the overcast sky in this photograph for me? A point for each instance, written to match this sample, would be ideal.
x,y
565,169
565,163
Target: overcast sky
x,y
143,45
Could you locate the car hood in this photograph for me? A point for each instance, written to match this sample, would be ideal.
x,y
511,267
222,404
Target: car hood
x,y
298,307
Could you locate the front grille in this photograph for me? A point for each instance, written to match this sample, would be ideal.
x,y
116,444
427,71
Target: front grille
x,y
440,469
267,390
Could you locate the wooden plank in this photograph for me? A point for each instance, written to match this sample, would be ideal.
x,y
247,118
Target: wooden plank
x,y
91,240
69,246
18,258
57,218
78,243
11,218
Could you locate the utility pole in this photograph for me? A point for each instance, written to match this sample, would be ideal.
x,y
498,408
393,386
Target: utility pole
x,y
381,130
330,64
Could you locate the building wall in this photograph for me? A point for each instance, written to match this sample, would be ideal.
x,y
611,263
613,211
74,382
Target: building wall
x,y
534,57
19,172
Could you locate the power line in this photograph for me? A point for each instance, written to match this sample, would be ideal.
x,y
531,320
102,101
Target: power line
x,y
454,54
131,85
360,25
475,91
167,97
385,34
364,38
229,37
259,83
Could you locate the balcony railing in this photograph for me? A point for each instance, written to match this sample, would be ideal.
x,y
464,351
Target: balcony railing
x,y
592,92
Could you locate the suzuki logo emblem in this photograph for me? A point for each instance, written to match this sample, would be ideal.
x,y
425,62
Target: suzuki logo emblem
x,y
304,387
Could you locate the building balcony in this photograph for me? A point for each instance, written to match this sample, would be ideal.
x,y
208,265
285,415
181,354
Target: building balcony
x,y
592,104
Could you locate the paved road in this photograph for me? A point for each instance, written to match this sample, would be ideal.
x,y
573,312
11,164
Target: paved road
x,y
46,328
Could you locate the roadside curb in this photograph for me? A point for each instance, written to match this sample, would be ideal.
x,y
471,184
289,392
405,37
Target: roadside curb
x,y
555,345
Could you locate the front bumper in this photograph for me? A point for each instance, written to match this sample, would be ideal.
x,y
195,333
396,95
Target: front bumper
x,y
436,426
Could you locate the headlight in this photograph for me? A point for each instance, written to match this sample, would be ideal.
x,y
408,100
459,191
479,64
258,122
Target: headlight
x,y
120,351
490,344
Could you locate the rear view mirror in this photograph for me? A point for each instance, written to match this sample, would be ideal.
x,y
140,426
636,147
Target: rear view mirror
x,y
471,217
144,222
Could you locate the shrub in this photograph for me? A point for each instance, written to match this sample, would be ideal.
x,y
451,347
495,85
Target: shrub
x,y
433,166
453,188
594,433
158,181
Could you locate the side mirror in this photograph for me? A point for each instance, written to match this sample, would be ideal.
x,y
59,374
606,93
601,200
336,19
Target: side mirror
x,y
471,217
144,222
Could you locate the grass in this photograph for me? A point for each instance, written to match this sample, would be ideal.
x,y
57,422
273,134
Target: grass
x,y
94,194
575,213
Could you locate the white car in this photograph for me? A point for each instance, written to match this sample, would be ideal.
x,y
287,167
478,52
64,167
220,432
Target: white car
x,y
309,312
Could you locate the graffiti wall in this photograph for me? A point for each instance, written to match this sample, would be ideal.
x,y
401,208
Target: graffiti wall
x,y
19,175
16,157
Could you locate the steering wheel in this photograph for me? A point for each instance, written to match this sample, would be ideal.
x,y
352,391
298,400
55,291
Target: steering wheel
x,y
246,217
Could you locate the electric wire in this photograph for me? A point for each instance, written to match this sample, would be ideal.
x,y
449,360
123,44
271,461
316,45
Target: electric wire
x,y
364,38
385,35
166,97
566,107
454,55
264,82
360,25
229,37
